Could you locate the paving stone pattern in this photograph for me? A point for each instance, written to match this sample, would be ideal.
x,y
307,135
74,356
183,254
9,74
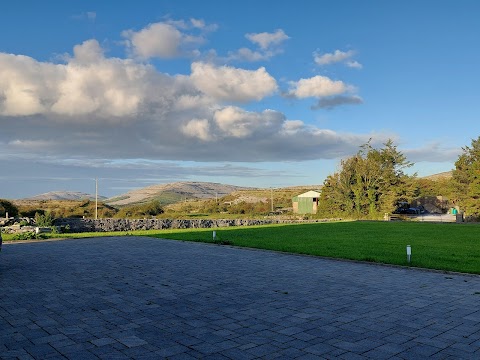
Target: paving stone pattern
x,y
143,298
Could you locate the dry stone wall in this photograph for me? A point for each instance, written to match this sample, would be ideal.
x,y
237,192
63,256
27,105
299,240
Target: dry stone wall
x,y
102,225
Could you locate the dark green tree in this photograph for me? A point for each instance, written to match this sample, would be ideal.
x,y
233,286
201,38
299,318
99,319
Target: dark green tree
x,y
7,207
369,183
466,177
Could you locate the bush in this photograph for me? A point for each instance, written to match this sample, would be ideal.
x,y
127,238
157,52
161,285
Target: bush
x,y
44,220
7,207
25,236
153,208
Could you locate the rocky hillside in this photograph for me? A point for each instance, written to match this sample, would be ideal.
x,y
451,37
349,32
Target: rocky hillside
x,y
439,176
174,192
64,195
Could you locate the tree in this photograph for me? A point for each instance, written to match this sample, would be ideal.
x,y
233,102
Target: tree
x,y
44,220
7,207
466,177
369,183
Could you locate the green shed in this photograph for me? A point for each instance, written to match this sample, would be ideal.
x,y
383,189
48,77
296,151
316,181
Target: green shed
x,y
306,203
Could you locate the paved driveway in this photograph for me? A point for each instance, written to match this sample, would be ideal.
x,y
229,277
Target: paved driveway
x,y
143,298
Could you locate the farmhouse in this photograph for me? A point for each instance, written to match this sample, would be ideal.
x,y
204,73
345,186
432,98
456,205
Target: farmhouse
x,y
306,203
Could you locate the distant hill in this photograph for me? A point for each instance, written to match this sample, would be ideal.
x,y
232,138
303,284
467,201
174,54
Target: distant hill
x,y
174,192
64,195
439,176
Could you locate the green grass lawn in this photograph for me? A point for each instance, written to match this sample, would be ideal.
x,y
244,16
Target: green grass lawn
x,y
454,247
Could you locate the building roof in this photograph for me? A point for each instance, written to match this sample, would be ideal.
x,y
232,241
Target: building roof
x,y
310,194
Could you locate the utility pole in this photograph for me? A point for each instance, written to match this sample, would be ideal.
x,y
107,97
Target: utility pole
x,y
96,198
271,198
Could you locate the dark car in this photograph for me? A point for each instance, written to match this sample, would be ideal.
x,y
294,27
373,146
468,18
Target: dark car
x,y
410,211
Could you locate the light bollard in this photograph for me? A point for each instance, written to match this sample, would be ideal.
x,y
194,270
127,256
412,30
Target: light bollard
x,y
409,253
214,235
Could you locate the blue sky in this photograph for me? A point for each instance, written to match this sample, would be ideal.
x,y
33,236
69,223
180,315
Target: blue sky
x,y
245,93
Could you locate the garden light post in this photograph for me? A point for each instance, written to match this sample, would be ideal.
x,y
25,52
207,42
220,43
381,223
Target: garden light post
x,y
409,253
96,198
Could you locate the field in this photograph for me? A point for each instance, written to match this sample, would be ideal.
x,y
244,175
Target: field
x,y
453,247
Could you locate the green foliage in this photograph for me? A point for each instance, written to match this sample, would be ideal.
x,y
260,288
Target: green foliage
x,y
44,220
466,177
7,207
25,236
30,235
150,209
66,208
368,184
440,187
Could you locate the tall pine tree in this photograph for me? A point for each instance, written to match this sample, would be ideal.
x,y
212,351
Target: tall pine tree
x,y
466,177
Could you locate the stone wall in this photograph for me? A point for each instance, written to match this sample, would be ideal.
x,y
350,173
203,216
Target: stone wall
x,y
102,225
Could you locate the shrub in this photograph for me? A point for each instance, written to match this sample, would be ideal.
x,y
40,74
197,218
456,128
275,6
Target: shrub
x,y
153,208
7,207
44,220
25,236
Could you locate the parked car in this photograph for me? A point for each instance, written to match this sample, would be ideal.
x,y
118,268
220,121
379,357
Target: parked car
x,y
410,210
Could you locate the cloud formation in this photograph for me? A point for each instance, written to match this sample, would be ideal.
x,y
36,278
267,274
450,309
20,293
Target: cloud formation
x,y
266,40
156,40
269,45
94,106
167,39
318,86
226,83
334,101
336,57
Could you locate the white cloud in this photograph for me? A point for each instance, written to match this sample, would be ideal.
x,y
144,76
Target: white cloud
x,y
25,85
226,83
318,86
88,52
156,40
336,57
198,23
269,44
168,39
331,58
246,54
87,84
236,122
266,40
354,64
198,128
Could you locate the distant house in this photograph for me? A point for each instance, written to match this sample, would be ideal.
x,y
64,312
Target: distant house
x,y
306,203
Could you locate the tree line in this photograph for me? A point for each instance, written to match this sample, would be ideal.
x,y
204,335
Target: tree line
x,y
373,182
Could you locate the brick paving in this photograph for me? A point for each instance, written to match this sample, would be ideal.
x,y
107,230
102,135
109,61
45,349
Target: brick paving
x,y
143,298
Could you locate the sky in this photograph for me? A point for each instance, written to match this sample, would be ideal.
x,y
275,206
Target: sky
x,y
250,93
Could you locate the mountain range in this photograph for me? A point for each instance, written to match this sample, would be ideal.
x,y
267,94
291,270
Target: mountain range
x,y
174,192
64,195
